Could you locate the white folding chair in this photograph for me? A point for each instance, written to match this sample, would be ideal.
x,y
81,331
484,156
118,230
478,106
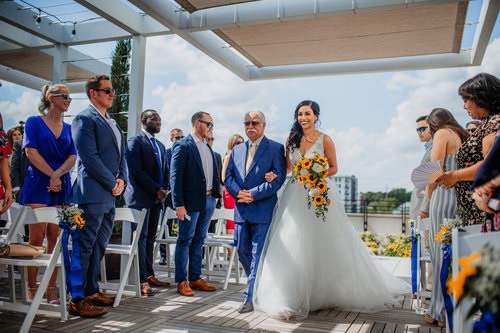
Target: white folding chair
x,y
11,215
217,247
464,244
27,216
127,249
164,237
423,263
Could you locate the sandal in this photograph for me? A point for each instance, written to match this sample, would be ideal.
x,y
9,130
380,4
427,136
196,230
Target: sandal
x,y
52,298
31,293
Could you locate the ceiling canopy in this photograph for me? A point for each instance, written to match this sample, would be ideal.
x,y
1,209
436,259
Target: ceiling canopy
x,y
254,39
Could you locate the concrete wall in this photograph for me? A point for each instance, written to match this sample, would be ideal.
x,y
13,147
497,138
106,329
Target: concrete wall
x,y
380,224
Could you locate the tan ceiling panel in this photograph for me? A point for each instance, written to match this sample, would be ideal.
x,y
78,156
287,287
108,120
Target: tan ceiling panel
x,y
194,5
395,33
40,65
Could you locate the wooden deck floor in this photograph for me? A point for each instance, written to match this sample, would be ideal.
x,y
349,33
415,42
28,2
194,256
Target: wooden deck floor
x,y
167,311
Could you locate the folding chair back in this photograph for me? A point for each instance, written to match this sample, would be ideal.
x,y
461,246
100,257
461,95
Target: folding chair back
x,y
464,244
164,238
27,216
127,249
11,214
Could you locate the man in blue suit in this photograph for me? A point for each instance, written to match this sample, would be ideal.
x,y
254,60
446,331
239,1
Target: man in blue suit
x,y
255,197
195,187
147,188
102,175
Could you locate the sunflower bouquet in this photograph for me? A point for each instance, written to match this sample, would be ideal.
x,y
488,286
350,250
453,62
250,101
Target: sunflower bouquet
x,y
311,173
71,216
444,235
479,279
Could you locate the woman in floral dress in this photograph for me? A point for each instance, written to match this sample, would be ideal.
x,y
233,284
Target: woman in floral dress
x,y
481,96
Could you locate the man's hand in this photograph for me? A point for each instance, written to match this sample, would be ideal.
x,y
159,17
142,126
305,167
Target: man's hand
x,y
244,196
161,195
119,187
423,215
181,213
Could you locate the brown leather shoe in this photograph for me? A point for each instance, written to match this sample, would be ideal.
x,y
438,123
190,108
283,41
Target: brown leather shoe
x,y
99,299
153,281
184,289
85,309
202,285
146,290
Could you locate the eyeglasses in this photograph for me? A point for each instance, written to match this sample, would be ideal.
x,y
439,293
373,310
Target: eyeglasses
x,y
253,122
209,124
178,137
421,129
64,96
107,91
211,139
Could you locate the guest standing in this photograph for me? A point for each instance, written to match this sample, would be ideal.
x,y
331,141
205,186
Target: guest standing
x,y
6,190
472,125
447,136
51,152
18,167
195,187
256,198
480,95
148,185
102,173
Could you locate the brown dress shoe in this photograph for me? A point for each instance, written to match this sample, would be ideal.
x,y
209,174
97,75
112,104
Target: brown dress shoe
x,y
99,299
153,281
85,309
184,289
146,290
202,285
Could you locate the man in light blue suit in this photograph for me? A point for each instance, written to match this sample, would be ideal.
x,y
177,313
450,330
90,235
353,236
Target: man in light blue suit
x,y
194,181
255,197
102,175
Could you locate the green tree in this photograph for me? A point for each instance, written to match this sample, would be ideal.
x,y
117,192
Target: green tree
x,y
120,67
399,194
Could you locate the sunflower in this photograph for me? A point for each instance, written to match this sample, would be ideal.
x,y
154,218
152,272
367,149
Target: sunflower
x,y
79,220
301,179
306,163
318,200
310,179
322,186
441,232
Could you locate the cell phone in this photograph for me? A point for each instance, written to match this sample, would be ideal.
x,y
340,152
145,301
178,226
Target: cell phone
x,y
494,204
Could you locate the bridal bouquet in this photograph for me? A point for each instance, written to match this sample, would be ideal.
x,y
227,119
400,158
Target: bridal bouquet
x,y
311,173
479,279
71,216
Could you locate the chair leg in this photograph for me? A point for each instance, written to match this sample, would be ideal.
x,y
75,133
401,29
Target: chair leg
x,y
229,269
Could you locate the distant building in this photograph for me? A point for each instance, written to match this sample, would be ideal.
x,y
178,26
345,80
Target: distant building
x,y
348,190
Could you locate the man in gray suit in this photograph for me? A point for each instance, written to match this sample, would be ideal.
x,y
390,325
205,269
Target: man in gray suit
x,y
419,204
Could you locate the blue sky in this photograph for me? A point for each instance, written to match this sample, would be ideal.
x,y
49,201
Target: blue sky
x,y
370,117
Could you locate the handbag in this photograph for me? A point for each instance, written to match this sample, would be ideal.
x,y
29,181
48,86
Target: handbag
x,y
18,250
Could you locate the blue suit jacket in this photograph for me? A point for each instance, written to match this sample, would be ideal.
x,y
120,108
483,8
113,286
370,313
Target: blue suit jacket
x,y
187,179
143,171
270,156
100,162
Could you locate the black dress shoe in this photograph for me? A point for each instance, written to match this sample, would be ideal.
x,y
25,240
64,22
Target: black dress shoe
x,y
163,262
245,307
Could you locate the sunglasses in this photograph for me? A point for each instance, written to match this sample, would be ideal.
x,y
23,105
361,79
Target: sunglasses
x,y
178,137
470,130
421,129
107,91
209,124
237,142
64,96
211,139
253,122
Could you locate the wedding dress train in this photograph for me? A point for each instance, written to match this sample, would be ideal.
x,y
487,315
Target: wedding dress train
x,y
309,264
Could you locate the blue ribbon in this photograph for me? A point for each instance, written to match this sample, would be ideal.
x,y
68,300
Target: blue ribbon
x,y
489,323
414,260
445,271
72,264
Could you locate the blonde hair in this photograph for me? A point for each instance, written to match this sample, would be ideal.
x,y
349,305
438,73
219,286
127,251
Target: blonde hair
x,y
232,142
46,91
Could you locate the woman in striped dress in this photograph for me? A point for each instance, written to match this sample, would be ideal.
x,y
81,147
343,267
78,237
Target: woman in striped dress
x,y
448,136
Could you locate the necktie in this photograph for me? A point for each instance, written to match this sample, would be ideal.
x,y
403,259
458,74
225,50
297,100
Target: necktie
x,y
158,159
251,154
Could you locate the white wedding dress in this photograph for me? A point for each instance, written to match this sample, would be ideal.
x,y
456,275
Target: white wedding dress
x,y
309,264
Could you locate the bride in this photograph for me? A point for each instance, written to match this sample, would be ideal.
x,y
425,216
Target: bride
x,y
311,262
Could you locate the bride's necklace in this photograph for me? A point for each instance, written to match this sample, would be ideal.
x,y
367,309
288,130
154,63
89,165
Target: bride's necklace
x,y
304,138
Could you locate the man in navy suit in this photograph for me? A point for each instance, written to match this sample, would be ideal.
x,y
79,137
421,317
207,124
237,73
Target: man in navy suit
x,y
255,197
102,175
195,187
147,188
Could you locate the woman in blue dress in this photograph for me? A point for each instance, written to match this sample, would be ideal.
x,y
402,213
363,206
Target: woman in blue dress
x,y
50,149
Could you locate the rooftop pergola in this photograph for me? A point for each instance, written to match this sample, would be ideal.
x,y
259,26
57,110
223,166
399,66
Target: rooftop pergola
x,y
256,40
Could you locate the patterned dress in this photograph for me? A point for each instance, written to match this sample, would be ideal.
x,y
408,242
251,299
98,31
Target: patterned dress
x,y
469,154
